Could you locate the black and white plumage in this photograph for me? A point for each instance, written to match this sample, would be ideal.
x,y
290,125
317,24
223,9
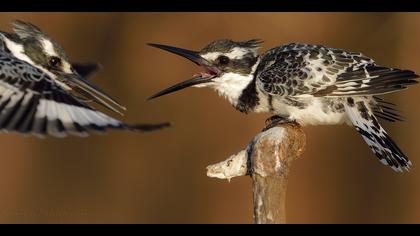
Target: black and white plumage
x,y
42,94
309,84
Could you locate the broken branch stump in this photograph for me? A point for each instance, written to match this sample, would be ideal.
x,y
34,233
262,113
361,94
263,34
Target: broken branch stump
x,y
267,158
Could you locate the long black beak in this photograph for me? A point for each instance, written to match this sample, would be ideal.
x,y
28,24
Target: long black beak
x,y
91,91
182,85
192,56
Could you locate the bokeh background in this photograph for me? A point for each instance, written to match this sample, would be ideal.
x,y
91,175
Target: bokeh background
x,y
161,177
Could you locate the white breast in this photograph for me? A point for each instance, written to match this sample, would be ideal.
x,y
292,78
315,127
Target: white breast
x,y
313,114
231,86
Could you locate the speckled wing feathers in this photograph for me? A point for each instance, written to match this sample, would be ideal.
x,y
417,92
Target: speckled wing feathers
x,y
371,80
297,69
301,69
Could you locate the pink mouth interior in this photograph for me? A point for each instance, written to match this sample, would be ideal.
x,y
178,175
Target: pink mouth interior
x,y
208,72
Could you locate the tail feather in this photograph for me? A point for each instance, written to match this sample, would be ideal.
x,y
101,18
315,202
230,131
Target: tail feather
x,y
365,122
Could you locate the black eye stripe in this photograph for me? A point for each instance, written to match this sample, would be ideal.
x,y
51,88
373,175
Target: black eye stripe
x,y
241,66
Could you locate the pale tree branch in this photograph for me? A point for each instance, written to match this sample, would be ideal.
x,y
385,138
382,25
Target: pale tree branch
x,y
268,158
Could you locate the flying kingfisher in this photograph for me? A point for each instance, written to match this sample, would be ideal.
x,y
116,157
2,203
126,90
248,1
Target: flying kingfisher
x,y
42,94
309,84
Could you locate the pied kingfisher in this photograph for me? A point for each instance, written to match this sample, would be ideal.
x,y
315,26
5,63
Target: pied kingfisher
x,y
41,93
309,84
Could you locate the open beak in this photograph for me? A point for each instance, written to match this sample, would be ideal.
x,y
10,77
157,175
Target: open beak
x,y
203,77
91,91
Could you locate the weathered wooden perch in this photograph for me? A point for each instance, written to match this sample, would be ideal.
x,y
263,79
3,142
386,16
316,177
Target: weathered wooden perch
x,y
270,154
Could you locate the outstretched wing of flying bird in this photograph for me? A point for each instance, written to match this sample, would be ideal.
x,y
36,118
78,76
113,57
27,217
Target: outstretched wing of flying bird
x,y
32,103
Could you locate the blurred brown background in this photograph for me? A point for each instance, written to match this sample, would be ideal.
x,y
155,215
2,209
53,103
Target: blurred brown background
x,y
161,177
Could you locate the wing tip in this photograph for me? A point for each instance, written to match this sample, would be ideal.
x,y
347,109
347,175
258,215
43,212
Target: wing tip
x,y
147,127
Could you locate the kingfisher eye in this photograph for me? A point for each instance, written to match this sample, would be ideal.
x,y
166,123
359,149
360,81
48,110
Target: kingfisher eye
x,y
223,60
54,62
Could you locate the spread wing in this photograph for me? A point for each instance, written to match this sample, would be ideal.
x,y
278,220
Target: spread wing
x,y
301,69
32,103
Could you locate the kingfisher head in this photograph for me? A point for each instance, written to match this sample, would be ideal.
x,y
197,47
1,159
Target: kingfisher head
x,y
28,43
228,67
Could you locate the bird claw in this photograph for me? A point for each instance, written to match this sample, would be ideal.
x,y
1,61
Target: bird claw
x,y
274,121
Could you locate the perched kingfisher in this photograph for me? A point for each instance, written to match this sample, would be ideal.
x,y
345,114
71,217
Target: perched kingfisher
x,y
309,84
42,94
